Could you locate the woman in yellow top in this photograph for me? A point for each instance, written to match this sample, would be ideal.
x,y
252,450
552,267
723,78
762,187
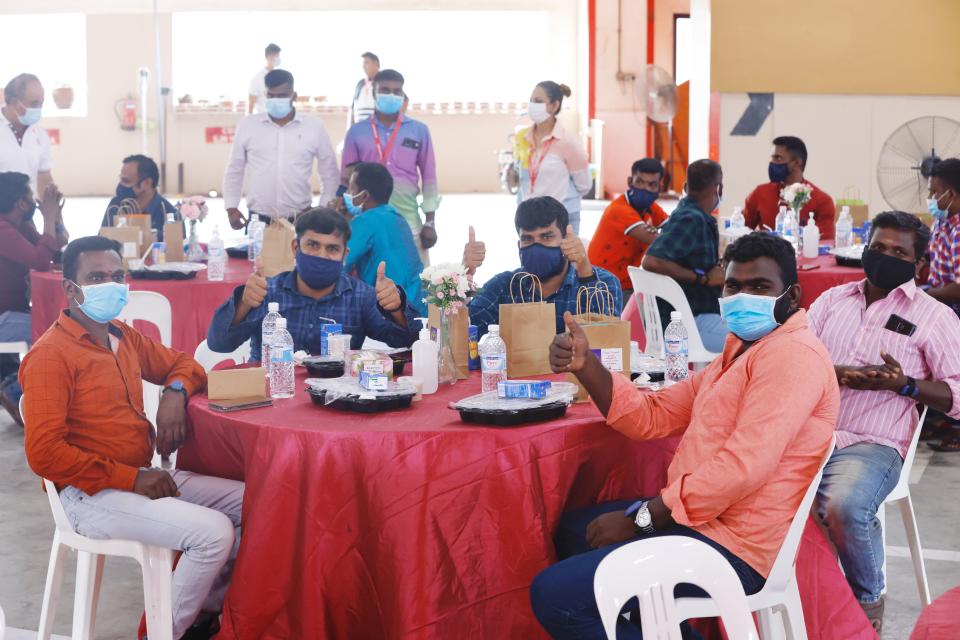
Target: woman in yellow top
x,y
551,161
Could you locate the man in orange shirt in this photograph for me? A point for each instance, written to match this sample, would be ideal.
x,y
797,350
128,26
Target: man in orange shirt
x,y
787,164
629,223
744,463
87,433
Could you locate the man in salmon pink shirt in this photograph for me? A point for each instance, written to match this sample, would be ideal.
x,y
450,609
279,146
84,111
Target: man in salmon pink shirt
x,y
743,464
787,164
894,347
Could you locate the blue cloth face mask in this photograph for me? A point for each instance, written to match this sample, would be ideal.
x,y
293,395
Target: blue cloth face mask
x,y
104,302
543,262
641,199
317,272
279,108
389,104
748,316
125,193
31,117
933,206
352,207
778,171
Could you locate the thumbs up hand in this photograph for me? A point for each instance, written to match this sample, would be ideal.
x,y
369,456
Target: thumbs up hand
x,y
255,290
388,295
576,253
474,253
569,350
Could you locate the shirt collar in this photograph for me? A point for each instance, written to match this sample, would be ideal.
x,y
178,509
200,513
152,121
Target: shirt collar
x,y
77,330
265,117
907,289
401,118
558,132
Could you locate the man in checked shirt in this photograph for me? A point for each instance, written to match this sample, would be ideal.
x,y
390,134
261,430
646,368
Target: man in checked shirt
x,y
893,346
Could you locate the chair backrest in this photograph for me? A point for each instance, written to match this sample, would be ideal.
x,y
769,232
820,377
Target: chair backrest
x,y
650,569
151,307
56,507
647,287
903,484
209,359
783,567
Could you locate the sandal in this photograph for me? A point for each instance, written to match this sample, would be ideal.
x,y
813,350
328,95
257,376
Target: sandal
x,y
950,444
874,613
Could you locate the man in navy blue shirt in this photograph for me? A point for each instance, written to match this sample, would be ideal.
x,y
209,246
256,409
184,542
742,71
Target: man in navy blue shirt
x,y
139,177
317,291
551,251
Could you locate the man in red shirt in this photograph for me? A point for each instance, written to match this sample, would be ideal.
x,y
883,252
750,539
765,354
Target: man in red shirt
x,y
629,223
787,164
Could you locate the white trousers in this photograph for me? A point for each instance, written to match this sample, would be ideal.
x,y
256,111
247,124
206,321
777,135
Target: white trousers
x,y
204,523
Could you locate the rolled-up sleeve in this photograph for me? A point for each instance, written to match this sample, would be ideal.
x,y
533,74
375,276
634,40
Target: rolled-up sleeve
x,y
645,415
223,336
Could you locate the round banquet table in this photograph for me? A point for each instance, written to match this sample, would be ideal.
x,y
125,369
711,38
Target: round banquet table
x,y
940,621
192,301
813,282
411,524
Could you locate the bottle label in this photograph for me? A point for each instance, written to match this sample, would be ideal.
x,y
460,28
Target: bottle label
x,y
494,362
281,354
675,347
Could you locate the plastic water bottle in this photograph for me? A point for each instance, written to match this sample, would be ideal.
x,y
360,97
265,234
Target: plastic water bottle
x,y
254,239
216,257
281,361
737,221
781,223
843,236
675,346
267,328
493,359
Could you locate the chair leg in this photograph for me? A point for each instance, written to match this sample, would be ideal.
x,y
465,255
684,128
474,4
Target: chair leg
x,y
916,552
157,593
51,590
792,614
87,593
770,626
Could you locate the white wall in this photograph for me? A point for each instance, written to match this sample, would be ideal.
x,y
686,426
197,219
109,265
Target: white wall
x,y
843,134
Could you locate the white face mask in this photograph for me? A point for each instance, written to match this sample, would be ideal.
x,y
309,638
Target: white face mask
x,y
537,111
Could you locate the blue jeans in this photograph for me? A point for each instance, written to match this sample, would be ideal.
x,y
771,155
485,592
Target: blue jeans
x,y
562,594
855,482
14,326
713,331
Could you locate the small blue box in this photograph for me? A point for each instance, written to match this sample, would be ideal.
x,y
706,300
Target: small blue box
x,y
328,329
525,389
374,381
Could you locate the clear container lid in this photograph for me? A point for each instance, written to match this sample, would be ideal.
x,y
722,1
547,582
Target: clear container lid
x,y
676,315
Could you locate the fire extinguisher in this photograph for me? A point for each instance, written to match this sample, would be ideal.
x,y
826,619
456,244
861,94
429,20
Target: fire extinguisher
x,y
126,110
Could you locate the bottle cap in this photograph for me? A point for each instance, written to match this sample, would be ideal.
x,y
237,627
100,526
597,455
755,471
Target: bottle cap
x,y
676,315
281,323
493,328
273,307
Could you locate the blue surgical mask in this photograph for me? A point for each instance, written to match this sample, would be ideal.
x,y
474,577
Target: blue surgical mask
x,y
641,199
279,108
389,104
31,117
778,171
352,208
317,272
748,316
933,206
104,302
543,262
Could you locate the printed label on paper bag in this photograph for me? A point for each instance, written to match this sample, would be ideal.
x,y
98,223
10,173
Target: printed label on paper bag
x,y
611,359
375,366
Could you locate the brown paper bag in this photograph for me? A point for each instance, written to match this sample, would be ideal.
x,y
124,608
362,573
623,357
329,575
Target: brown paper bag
x,y
129,239
608,335
277,251
527,326
459,337
859,212
234,384
173,239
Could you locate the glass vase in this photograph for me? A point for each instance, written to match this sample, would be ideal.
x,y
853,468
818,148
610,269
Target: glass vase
x,y
447,373
194,250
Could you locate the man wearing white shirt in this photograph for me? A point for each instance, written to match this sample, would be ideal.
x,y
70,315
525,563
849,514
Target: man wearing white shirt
x,y
24,144
363,104
258,89
276,151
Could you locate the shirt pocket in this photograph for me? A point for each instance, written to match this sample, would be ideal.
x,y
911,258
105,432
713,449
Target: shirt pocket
x,y
904,349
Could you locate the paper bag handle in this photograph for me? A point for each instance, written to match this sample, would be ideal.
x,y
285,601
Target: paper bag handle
x,y
535,284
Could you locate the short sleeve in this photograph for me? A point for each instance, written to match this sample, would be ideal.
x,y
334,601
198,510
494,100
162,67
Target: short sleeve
x,y
46,157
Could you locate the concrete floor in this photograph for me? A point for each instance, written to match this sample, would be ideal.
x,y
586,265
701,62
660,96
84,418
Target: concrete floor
x,y
26,526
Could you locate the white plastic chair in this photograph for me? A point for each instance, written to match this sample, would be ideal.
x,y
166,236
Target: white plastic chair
x,y
780,593
208,359
155,562
901,497
650,569
3,624
647,287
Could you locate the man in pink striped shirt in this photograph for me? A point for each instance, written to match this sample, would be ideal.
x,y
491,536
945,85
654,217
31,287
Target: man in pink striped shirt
x,y
893,346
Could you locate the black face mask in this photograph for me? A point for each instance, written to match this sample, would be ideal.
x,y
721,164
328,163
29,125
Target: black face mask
x,y
886,272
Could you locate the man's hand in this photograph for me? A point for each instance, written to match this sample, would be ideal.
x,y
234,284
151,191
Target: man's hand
x,y
237,221
474,253
716,276
337,205
885,377
171,422
51,207
255,290
610,528
428,237
569,350
155,483
574,251
388,295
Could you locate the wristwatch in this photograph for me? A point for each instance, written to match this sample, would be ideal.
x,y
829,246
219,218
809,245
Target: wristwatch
x,y
701,276
910,389
642,518
177,385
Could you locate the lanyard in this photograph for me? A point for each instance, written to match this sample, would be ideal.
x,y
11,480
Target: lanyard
x,y
384,154
536,160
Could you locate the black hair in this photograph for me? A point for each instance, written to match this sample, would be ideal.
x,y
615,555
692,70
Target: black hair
x,y
146,168
270,50
370,56
539,212
761,244
17,85
949,171
647,165
902,221
323,220
278,77
375,179
13,188
555,91
703,175
71,255
795,146
388,75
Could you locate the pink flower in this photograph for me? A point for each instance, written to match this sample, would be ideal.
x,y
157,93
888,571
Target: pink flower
x,y
189,211
440,295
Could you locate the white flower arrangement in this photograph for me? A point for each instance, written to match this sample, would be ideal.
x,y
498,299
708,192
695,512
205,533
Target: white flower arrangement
x,y
796,195
445,285
194,208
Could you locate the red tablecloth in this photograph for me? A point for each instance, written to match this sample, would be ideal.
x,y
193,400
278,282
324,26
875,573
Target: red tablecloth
x,y
192,301
812,282
941,620
414,525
